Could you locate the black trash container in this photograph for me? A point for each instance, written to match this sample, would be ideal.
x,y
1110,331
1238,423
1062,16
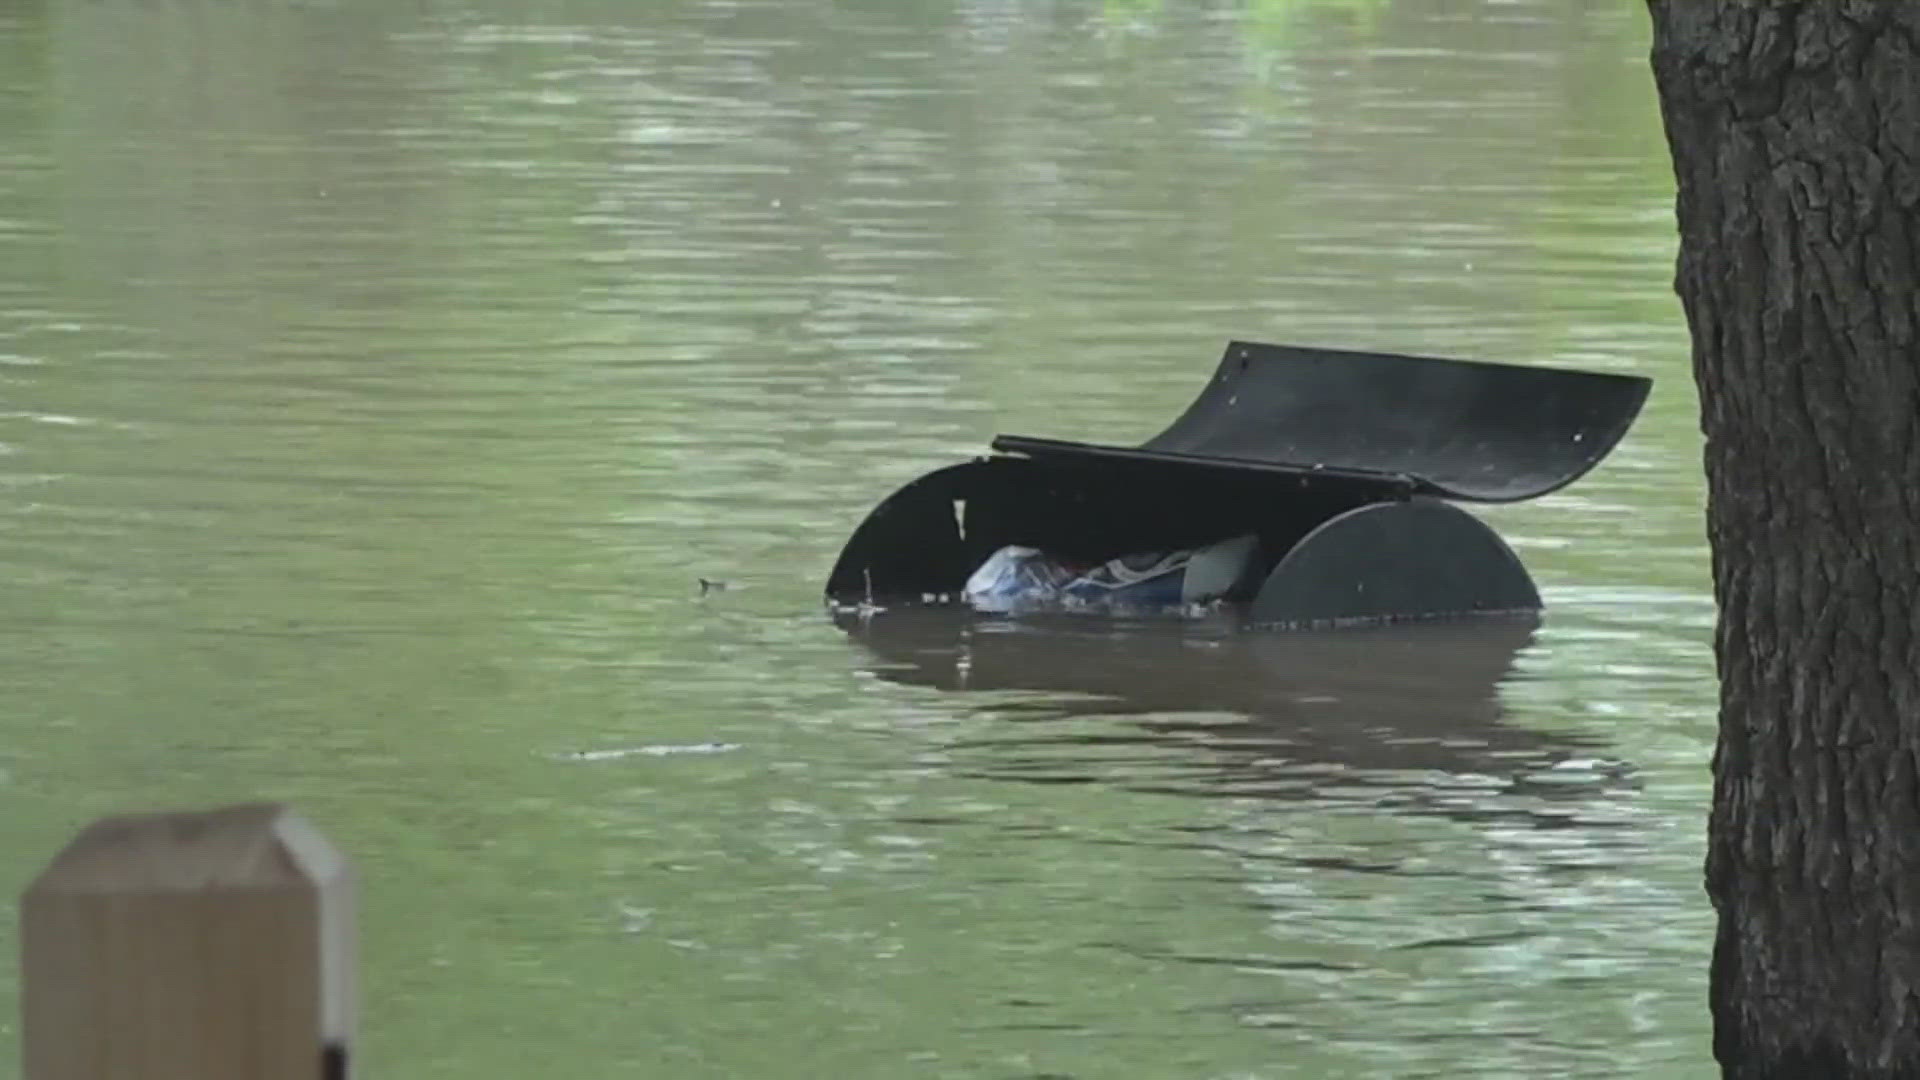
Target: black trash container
x,y
1347,467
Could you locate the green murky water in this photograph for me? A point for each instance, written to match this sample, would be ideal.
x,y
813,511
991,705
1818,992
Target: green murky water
x,y
377,379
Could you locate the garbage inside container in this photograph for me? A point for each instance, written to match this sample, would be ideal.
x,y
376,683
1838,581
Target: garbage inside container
x,y
1016,578
1343,467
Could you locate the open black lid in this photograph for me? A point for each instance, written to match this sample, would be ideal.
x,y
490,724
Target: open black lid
x,y
1455,429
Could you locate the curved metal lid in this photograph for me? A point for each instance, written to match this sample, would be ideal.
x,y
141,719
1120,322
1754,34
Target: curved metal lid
x,y
1455,429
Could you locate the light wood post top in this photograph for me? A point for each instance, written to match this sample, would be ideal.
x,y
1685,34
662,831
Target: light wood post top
x,y
211,945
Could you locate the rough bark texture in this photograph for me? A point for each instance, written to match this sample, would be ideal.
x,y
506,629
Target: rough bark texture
x,y
1795,130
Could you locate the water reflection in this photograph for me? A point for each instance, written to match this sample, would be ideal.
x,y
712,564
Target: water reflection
x,y
375,378
1403,719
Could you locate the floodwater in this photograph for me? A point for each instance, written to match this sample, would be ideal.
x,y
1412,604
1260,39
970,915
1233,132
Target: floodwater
x,y
377,380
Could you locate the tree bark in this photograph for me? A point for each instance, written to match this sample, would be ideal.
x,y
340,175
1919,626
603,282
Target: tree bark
x,y
1795,131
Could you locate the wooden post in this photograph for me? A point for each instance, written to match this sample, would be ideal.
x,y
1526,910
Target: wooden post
x,y
196,946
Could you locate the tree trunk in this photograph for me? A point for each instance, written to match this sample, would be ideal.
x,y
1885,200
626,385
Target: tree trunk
x,y
1795,131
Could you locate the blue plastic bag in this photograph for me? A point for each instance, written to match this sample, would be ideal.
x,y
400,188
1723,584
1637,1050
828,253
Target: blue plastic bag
x,y
1017,578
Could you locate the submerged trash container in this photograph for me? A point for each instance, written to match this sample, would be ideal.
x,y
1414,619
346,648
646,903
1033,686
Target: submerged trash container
x,y
1345,465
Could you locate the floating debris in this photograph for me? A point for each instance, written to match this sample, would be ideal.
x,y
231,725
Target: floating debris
x,y
650,751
